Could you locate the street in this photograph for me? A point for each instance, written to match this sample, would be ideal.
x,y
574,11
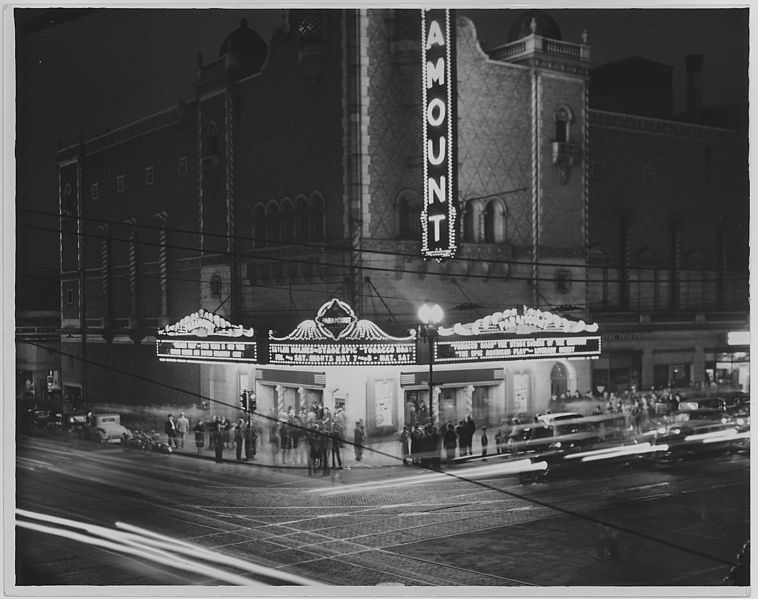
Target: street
x,y
233,523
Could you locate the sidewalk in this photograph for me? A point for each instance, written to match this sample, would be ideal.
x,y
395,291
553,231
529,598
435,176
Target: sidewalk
x,y
376,454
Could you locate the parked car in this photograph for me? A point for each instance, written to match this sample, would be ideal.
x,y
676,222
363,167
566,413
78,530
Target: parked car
x,y
108,428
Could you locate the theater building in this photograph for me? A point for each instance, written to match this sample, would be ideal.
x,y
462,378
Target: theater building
x,y
354,157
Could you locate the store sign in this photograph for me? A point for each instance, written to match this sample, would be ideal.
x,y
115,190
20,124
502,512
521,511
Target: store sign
x,y
206,337
438,231
196,350
529,348
336,337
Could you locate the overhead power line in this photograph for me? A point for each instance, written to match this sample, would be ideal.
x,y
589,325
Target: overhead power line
x,y
347,266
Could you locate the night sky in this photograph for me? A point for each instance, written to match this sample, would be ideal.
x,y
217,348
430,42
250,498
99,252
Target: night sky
x,y
110,67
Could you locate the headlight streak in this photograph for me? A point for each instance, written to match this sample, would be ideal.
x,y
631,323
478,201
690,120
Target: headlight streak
x,y
631,450
156,551
465,474
619,450
151,537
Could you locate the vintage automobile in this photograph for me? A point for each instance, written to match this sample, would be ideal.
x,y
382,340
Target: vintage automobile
x,y
108,428
85,426
694,432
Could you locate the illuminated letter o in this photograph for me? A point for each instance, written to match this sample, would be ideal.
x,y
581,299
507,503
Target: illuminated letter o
x,y
435,105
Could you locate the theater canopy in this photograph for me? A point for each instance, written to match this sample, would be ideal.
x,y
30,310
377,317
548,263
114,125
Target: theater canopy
x,y
517,334
337,337
206,337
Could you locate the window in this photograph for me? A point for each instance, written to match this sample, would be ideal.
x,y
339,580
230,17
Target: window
x,y
563,281
317,218
69,296
94,191
494,222
149,175
648,175
181,166
287,222
408,219
216,286
273,223
120,183
470,223
558,380
302,225
259,226
563,119
212,140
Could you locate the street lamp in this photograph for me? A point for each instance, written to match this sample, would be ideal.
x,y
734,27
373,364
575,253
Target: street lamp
x,y
430,317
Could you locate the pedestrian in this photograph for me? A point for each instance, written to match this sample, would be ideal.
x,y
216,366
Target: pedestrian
x,y
314,450
435,446
250,440
470,430
275,443
227,433
460,430
199,436
218,440
499,441
358,437
404,440
423,413
182,428
484,441
170,430
286,441
239,439
336,446
450,442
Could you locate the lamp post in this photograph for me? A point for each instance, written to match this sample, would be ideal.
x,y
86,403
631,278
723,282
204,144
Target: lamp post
x,y
430,317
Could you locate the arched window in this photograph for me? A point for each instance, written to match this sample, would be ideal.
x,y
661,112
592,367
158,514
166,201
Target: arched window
x,y
302,222
260,232
563,120
471,214
287,222
273,223
408,219
494,222
558,380
215,285
212,139
317,213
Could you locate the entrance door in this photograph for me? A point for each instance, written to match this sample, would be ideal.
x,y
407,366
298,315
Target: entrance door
x,y
558,380
481,405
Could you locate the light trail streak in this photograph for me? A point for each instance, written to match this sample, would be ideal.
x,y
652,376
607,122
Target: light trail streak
x,y
619,449
464,474
616,454
152,546
150,555
151,537
713,436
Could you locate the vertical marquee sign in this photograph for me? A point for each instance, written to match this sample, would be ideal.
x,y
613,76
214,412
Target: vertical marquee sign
x,y
438,229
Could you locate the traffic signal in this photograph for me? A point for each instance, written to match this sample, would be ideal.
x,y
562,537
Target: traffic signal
x,y
243,401
252,403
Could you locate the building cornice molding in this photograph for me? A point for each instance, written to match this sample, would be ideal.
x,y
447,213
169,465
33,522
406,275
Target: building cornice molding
x,y
630,122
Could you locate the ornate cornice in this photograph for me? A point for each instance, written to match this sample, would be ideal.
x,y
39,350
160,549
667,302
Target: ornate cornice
x,y
161,120
629,122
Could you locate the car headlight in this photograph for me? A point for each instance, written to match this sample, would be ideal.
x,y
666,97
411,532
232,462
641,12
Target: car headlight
x,y
740,421
557,444
676,431
662,430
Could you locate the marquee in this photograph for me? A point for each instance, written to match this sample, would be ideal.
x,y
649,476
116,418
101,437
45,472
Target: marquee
x,y
206,337
336,337
517,334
